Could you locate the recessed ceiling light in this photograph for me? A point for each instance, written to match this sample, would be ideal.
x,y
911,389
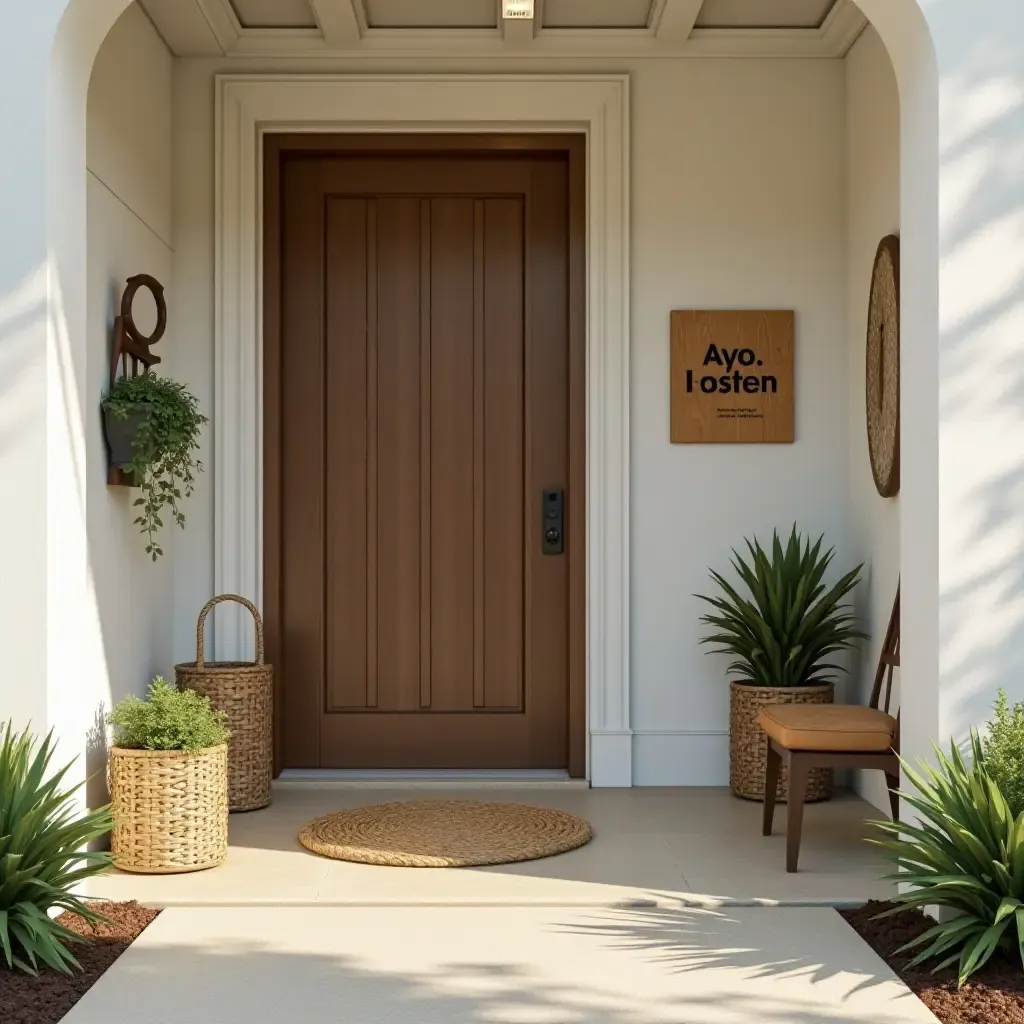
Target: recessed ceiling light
x,y
517,10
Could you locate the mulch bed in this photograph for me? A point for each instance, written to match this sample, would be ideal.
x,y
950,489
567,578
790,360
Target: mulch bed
x,y
47,998
995,995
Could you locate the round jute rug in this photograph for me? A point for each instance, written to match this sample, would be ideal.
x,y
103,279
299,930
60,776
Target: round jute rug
x,y
444,834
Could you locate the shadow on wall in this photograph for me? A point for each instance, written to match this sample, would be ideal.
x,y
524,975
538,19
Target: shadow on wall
x,y
97,787
97,791
21,311
982,361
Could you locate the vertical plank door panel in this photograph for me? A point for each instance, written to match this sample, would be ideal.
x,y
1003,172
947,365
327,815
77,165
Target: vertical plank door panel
x,y
348,383
302,462
451,437
398,453
420,385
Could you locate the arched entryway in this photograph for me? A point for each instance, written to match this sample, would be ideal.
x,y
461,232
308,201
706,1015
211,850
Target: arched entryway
x,y
52,610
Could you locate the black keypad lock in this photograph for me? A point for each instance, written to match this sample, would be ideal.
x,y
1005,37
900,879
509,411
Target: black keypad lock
x,y
553,521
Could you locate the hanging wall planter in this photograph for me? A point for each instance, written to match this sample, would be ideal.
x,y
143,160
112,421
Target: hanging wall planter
x,y
121,433
151,424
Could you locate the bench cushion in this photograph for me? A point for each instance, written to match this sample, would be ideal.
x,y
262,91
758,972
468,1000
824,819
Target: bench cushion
x,y
828,727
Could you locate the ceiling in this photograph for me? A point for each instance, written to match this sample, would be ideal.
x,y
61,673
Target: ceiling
x,y
785,28
762,14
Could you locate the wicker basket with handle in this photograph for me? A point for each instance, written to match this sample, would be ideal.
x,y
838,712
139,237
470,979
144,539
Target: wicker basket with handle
x,y
170,809
748,745
244,691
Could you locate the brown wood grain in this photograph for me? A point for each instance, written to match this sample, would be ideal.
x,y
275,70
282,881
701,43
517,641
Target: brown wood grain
x,y
400,483
302,457
433,292
509,492
750,401
347,429
450,592
272,202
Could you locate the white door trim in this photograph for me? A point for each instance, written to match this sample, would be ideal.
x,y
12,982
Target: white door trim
x,y
248,107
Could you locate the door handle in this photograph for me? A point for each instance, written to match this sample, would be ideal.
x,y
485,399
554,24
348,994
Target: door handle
x,y
552,530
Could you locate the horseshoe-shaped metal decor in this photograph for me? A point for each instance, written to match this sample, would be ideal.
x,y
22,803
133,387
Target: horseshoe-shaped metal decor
x,y
129,341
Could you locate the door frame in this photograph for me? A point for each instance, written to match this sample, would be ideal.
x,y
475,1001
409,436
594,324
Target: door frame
x,y
573,147
251,107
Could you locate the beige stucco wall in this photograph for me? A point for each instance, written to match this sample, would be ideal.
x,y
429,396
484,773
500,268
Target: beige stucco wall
x,y
129,232
737,200
873,211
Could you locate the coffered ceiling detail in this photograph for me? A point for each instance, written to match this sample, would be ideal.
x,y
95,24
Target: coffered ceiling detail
x,y
453,28
421,14
736,14
585,14
257,14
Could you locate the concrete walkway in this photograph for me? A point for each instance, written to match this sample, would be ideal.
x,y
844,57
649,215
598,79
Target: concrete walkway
x,y
476,965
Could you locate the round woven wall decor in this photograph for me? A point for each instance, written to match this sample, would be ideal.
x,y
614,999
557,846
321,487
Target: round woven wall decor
x,y
882,379
444,834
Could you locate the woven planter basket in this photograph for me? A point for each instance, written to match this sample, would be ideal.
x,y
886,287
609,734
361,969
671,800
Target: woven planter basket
x,y
748,744
244,691
170,809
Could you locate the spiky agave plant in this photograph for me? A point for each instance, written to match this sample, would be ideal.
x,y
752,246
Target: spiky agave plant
x,y
42,856
965,855
784,632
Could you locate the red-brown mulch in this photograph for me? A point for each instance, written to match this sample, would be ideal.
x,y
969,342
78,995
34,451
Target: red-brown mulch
x,y
995,995
47,998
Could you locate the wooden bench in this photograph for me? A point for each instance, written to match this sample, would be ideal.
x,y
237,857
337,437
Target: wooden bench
x,y
808,736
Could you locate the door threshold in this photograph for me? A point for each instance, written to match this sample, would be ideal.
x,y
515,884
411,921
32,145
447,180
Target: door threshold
x,y
336,778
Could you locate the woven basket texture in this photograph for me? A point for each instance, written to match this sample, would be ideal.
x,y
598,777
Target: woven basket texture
x,y
170,809
748,744
244,691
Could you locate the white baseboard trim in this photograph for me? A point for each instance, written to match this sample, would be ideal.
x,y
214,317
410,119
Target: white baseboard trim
x,y
611,759
680,757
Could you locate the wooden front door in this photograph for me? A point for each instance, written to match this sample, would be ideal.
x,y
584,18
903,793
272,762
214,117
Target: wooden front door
x,y
424,412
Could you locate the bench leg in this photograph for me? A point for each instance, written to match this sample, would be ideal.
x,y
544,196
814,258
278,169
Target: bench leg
x,y
771,786
893,782
798,771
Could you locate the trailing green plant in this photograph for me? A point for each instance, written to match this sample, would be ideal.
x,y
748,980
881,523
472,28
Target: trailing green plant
x,y
965,856
163,462
42,858
782,634
1004,751
168,719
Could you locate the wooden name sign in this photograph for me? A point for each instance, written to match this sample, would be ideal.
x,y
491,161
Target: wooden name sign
x,y
732,377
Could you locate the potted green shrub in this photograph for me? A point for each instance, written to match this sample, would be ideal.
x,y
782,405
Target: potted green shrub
x,y
168,782
43,859
152,427
780,634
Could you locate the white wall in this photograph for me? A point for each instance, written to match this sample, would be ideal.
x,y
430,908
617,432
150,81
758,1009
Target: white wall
x,y
129,232
873,211
738,200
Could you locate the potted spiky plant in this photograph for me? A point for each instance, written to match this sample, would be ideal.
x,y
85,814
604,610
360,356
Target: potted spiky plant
x,y
43,855
781,635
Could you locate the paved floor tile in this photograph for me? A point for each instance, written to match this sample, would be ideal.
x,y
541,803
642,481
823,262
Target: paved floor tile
x,y
661,845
